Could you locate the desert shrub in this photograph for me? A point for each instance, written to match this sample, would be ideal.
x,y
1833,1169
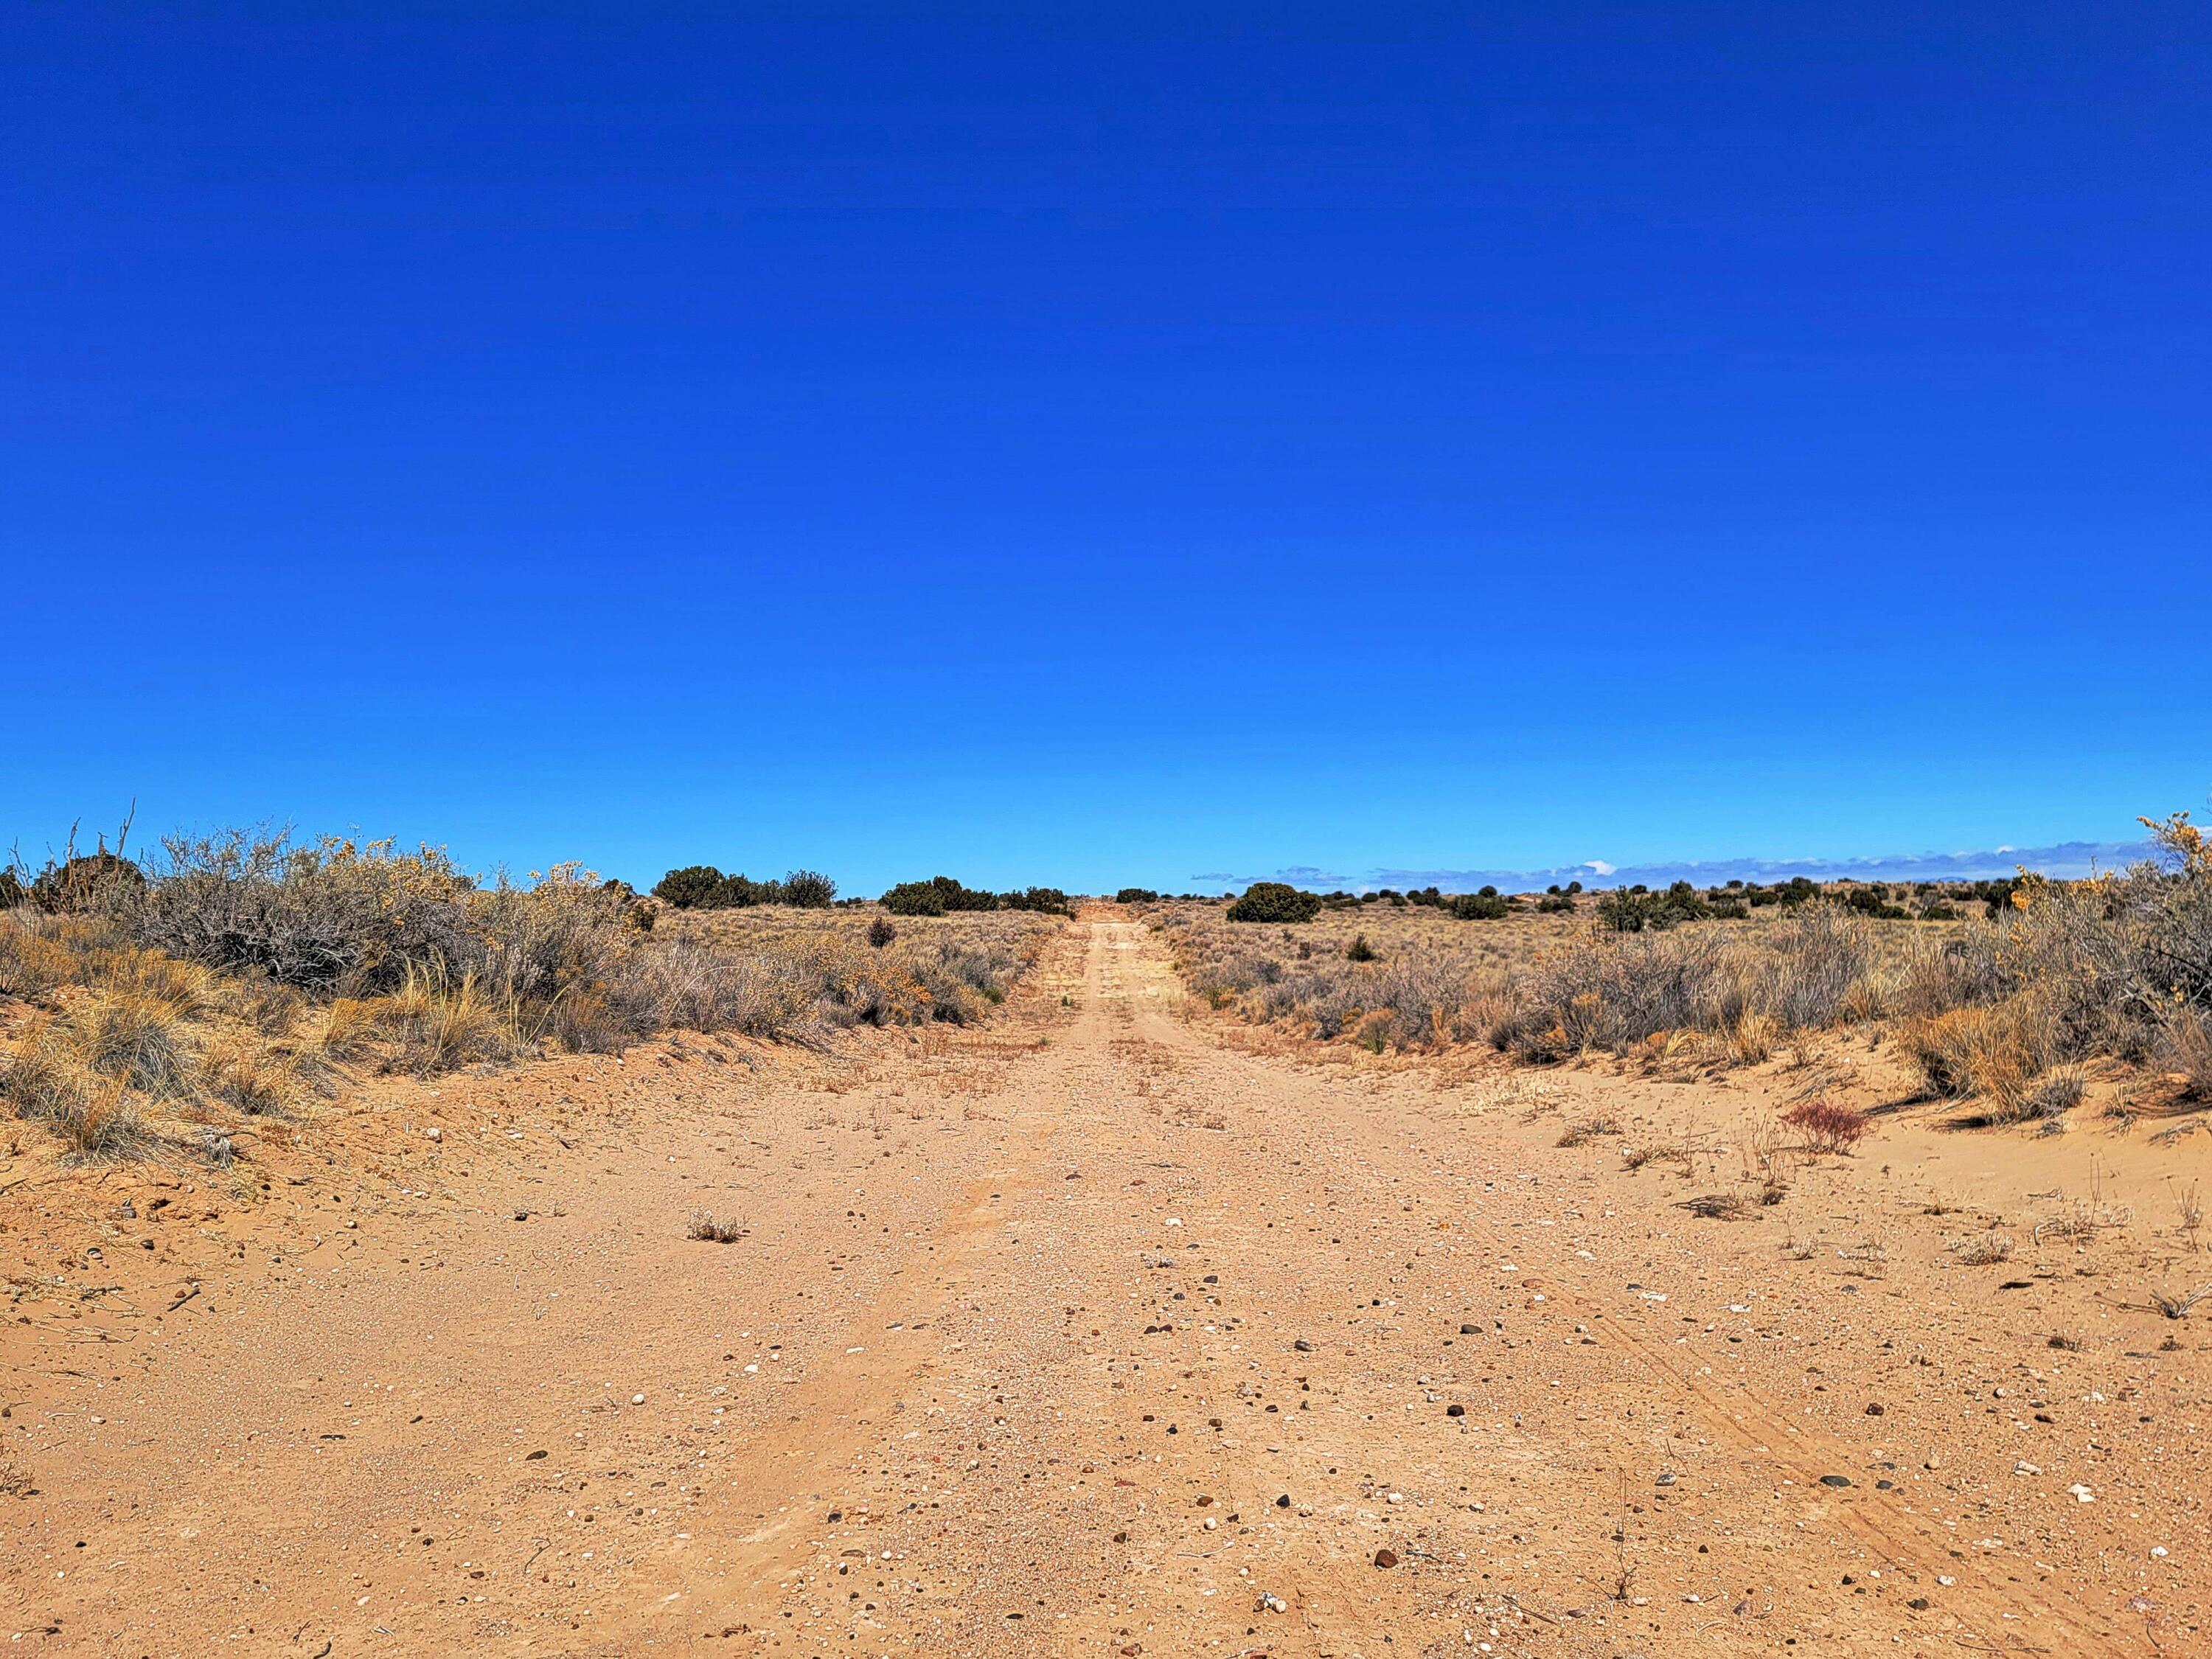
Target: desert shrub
x,y
1274,901
960,897
1874,901
809,889
1965,968
741,892
1635,909
1820,958
2183,1047
1044,901
1827,1126
942,896
1486,906
12,890
693,887
1359,949
1611,993
327,917
87,881
703,887
1136,895
1555,903
914,898
881,932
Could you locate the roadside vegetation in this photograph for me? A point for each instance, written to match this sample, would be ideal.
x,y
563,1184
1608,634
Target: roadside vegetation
x,y
2006,994
146,1004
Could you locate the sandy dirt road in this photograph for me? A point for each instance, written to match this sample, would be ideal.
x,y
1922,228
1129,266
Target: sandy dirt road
x,y
1099,1334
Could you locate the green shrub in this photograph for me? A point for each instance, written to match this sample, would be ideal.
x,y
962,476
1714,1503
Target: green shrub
x,y
1274,901
1136,895
1874,901
915,898
691,888
12,892
1555,902
741,892
957,897
881,932
809,890
1486,906
1044,901
1360,950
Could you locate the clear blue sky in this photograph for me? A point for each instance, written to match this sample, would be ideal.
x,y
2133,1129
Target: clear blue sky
x,y
1091,444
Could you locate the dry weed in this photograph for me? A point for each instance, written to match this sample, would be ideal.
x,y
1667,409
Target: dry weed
x,y
701,1225
1718,1206
2181,1306
1589,1129
1983,1249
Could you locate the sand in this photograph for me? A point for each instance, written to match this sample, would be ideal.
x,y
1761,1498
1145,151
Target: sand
x,y
1110,1329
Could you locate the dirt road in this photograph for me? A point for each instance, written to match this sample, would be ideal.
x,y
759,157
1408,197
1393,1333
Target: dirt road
x,y
1097,1334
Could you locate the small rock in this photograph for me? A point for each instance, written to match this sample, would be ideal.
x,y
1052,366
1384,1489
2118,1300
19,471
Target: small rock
x,y
436,1134
1283,1503
1454,1410
1386,1557
1835,1480
637,1399
1667,1477
1303,1346
1918,1604
1874,1409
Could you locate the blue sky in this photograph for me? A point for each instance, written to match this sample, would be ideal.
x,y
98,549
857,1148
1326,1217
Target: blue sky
x,y
1092,445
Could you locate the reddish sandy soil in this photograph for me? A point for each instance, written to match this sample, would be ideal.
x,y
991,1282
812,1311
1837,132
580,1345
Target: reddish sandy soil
x,y
1105,1331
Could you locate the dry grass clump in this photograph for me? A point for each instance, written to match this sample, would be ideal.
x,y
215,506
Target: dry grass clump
x,y
701,1225
1983,1249
46,1082
1589,1129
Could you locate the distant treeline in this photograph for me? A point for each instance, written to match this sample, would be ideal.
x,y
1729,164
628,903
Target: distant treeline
x,y
702,887
1634,910
941,895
